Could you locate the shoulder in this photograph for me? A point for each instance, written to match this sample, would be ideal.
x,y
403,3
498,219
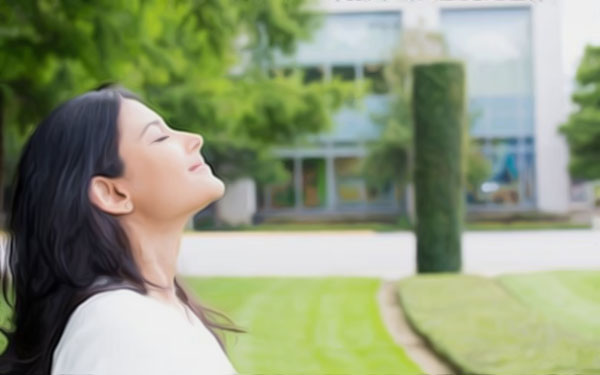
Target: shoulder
x,y
112,307
119,311
125,332
108,328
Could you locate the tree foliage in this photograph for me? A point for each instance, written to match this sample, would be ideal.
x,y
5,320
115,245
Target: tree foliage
x,y
391,157
200,64
582,130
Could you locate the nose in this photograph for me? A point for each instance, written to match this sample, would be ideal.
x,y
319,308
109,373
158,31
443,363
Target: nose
x,y
195,142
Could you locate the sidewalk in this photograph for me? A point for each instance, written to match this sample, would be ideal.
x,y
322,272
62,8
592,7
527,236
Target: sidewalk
x,y
385,255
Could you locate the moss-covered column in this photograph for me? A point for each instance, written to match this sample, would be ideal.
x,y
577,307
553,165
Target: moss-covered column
x,y
439,114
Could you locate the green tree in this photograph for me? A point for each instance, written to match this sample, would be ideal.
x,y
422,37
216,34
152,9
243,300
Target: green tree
x,y
187,59
391,157
582,130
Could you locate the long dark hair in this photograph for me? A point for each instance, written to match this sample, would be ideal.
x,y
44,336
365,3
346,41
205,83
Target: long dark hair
x,y
59,244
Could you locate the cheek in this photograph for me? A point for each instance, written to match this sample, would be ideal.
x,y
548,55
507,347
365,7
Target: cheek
x,y
161,181
152,172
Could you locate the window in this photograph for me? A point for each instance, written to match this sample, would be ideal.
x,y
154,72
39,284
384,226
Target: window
x,y
512,177
496,45
349,183
374,73
313,182
282,195
344,72
312,74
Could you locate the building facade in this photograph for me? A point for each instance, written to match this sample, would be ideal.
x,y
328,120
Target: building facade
x,y
516,102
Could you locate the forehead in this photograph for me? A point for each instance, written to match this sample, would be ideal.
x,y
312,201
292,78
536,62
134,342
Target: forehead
x,y
133,116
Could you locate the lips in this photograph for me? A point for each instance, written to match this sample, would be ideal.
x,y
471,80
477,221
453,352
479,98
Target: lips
x,y
195,166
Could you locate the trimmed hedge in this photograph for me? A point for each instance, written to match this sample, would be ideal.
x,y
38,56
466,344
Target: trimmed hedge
x,y
438,110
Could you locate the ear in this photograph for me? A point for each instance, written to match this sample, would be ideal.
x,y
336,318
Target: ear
x,y
109,196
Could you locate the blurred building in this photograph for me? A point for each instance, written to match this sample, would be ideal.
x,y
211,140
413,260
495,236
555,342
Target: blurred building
x,y
512,51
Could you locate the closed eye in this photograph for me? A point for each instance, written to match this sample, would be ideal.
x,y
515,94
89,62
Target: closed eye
x,y
162,138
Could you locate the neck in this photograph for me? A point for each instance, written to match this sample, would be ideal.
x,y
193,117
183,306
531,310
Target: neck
x,y
155,247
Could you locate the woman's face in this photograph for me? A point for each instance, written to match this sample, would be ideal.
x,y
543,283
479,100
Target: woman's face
x,y
158,165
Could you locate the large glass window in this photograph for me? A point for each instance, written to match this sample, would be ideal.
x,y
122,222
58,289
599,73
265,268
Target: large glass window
x,y
350,38
383,195
313,182
350,186
496,47
344,72
312,74
511,181
374,73
282,195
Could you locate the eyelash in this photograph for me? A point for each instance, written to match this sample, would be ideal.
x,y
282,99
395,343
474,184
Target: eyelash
x,y
162,138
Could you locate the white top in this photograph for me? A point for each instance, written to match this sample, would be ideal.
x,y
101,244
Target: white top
x,y
125,332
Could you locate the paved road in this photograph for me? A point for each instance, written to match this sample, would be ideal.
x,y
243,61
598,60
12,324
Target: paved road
x,y
386,255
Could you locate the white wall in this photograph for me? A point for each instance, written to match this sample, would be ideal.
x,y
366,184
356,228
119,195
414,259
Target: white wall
x,y
552,153
238,205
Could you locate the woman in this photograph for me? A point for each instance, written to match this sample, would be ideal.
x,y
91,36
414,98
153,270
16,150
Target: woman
x,y
103,190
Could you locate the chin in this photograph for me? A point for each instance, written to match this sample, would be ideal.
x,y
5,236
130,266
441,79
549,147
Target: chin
x,y
217,191
222,191
218,187
213,190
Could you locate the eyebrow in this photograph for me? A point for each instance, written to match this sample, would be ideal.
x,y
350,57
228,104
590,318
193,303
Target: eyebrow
x,y
153,122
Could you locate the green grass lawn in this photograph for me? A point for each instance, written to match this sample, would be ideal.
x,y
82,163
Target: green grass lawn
x,y
391,227
305,325
481,327
5,312
535,323
302,325
569,298
524,225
